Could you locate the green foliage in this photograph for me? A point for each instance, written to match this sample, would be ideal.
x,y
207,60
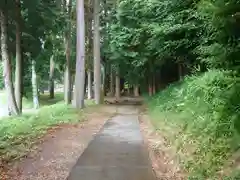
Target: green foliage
x,y
43,25
200,116
144,35
220,41
46,38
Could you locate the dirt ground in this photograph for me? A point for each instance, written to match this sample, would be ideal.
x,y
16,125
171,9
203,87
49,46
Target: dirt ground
x,y
60,148
163,160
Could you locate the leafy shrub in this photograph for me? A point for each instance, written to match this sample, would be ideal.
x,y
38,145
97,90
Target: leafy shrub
x,y
201,117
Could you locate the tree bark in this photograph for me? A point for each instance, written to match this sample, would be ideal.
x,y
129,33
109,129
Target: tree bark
x,y
111,82
129,90
51,77
67,84
136,90
34,86
80,61
118,84
72,84
67,73
89,49
18,70
153,85
89,74
96,49
102,92
12,105
180,71
150,90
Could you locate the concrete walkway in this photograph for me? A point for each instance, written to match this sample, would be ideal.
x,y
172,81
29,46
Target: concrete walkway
x,y
116,153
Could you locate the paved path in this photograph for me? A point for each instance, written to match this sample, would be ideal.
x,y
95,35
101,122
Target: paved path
x,y
116,153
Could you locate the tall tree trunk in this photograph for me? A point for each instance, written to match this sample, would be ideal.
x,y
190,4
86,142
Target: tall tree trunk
x,y
34,86
102,92
159,81
89,36
180,71
12,105
111,82
67,85
67,73
72,84
89,74
154,84
118,86
136,90
150,90
85,86
18,70
51,78
80,61
96,49
129,90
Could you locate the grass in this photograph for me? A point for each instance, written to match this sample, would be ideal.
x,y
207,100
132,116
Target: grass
x,y
200,117
18,134
28,102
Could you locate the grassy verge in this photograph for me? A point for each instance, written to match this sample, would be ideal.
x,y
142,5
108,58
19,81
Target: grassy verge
x,y
18,134
28,102
200,117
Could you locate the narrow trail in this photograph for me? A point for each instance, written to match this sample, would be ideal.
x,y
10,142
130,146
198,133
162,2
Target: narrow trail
x,y
117,152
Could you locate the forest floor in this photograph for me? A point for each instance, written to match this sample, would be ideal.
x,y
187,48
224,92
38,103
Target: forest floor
x,y
163,158
55,154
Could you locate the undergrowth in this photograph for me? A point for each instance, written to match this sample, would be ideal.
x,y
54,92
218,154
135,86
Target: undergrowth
x,y
18,134
200,116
